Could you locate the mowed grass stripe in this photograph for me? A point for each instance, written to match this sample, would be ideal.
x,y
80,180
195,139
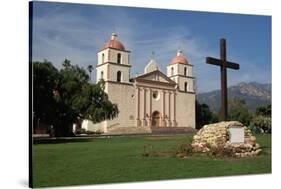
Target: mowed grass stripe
x,y
119,159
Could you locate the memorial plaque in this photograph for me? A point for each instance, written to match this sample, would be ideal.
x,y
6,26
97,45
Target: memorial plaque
x,y
236,134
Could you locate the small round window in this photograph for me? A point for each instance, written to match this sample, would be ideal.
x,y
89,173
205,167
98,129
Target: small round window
x,y
155,94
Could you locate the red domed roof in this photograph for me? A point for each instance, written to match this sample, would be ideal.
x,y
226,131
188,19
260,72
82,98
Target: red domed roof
x,y
180,58
113,43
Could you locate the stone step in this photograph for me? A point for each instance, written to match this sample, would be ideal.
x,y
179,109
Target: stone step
x,y
153,130
163,130
128,130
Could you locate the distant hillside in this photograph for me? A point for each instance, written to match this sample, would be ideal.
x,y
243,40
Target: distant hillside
x,y
253,93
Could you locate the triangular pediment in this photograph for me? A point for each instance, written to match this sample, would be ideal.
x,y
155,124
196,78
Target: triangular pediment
x,y
156,76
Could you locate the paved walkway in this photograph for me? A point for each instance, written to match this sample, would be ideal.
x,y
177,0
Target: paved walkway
x,y
46,137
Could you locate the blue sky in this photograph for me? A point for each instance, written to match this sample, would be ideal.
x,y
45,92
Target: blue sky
x,y
78,31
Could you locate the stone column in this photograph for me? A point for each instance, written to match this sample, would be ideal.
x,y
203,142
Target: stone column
x,y
150,107
163,109
144,107
108,58
169,109
174,116
107,74
137,106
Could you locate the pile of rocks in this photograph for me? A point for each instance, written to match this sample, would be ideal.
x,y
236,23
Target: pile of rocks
x,y
217,137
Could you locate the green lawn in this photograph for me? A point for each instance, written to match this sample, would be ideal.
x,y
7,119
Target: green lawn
x,y
119,159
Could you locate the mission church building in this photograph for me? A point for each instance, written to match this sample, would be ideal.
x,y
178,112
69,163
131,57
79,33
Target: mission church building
x,y
146,102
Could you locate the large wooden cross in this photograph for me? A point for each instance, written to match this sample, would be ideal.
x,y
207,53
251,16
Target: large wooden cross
x,y
224,64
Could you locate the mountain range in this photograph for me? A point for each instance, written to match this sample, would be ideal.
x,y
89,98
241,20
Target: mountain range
x,y
254,94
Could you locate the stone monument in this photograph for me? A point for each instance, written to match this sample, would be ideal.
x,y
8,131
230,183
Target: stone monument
x,y
236,134
230,136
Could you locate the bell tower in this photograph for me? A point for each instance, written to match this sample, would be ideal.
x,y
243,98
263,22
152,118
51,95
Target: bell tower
x,y
180,71
113,62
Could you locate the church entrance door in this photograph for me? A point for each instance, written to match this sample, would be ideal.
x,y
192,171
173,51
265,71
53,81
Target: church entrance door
x,y
155,119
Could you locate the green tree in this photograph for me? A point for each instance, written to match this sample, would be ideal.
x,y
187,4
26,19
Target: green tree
x,y
45,78
204,115
239,111
66,63
261,122
77,99
264,110
90,69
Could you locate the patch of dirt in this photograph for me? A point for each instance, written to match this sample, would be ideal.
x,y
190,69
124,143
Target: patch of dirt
x,y
160,138
159,154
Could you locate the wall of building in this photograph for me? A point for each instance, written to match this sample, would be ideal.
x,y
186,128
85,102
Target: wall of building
x,y
162,103
180,77
181,67
113,56
169,70
124,96
157,102
147,108
185,109
110,55
136,101
104,69
106,57
181,83
97,127
114,68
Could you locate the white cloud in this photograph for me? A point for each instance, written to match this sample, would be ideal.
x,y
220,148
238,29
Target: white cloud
x,y
71,35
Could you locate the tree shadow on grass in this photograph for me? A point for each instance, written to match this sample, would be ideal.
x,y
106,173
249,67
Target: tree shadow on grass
x,y
60,140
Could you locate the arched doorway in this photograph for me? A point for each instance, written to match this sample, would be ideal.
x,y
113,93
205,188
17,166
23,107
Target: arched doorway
x,y
155,119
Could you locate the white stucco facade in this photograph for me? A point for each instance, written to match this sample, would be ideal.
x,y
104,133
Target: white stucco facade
x,y
150,100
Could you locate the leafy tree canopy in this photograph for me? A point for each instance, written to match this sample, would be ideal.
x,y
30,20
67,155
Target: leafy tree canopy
x,y
264,110
239,111
204,115
45,78
66,96
262,123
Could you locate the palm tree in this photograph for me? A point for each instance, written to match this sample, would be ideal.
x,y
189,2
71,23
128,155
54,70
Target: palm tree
x,y
90,69
66,63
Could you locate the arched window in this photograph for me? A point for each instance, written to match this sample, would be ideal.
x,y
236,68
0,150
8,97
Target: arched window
x,y
185,71
102,58
119,74
101,75
172,71
185,86
118,58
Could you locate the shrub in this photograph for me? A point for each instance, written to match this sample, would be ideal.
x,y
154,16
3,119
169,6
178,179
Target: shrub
x,y
239,111
148,150
220,151
264,110
185,150
254,129
97,132
83,131
204,115
80,131
262,123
